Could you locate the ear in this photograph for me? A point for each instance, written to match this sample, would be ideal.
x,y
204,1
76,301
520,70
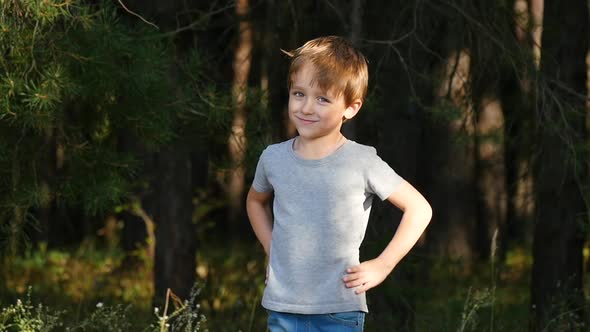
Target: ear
x,y
353,109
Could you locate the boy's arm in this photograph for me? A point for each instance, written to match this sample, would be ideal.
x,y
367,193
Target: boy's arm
x,y
258,208
417,214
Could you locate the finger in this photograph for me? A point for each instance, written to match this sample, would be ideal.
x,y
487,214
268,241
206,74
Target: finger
x,y
360,290
355,283
353,269
363,288
351,277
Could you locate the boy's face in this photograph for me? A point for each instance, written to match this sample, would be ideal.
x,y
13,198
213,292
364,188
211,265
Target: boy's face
x,y
314,112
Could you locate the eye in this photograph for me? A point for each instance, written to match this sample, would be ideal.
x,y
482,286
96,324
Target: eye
x,y
297,94
323,100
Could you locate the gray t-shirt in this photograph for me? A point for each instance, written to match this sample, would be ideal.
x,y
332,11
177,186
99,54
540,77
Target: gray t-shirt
x,y
321,208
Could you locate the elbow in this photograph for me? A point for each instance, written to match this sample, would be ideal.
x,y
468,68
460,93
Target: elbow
x,y
255,200
250,204
427,211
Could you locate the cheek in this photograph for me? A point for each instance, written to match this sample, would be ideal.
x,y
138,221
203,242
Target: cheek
x,y
294,105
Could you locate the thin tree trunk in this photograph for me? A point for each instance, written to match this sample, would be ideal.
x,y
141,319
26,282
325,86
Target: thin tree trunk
x,y
490,173
267,45
518,179
488,135
176,242
356,25
237,141
536,13
560,171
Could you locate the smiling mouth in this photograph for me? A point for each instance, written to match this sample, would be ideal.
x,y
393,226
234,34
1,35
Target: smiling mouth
x,y
306,120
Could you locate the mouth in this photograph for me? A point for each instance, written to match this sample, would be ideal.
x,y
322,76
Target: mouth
x,y
306,121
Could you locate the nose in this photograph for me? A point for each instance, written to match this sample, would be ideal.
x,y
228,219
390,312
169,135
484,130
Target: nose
x,y
306,107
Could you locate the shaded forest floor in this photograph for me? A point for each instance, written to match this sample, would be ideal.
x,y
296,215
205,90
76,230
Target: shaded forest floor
x,y
231,279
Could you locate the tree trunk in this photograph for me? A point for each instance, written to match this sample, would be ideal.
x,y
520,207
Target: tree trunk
x,y
356,25
490,174
560,171
450,171
518,177
488,136
169,204
517,116
536,13
237,141
176,242
275,38
394,124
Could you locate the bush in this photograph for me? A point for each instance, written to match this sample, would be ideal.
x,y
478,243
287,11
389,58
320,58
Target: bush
x,y
27,317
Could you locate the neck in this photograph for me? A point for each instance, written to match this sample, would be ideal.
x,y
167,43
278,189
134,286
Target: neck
x,y
317,148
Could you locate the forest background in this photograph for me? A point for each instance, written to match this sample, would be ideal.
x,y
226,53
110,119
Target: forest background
x,y
130,130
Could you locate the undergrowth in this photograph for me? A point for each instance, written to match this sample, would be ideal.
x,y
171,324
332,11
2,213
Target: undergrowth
x,y
25,316
92,288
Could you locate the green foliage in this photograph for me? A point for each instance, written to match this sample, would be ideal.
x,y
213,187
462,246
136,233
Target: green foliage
x,y
185,318
105,318
106,187
233,285
258,128
75,280
475,301
211,112
56,273
74,83
231,280
446,112
26,317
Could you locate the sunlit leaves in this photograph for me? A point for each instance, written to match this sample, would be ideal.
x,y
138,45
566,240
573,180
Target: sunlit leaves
x,y
45,11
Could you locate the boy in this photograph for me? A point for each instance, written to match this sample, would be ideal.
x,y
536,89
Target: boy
x,y
322,186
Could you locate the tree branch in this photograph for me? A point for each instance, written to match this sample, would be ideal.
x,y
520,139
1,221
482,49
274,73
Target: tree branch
x,y
137,15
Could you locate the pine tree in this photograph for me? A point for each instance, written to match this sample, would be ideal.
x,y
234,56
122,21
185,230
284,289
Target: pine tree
x,y
73,79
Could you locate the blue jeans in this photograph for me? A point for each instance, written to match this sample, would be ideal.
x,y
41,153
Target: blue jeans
x,y
337,322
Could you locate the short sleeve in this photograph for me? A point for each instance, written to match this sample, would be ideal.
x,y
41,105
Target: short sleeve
x,y
260,182
382,180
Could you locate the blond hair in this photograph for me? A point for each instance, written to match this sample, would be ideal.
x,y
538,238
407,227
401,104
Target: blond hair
x,y
338,65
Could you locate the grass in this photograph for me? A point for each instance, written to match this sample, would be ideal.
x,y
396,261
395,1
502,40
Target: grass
x,y
456,300
73,281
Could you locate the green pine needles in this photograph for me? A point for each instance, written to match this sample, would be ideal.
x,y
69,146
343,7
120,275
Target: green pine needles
x,y
75,82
